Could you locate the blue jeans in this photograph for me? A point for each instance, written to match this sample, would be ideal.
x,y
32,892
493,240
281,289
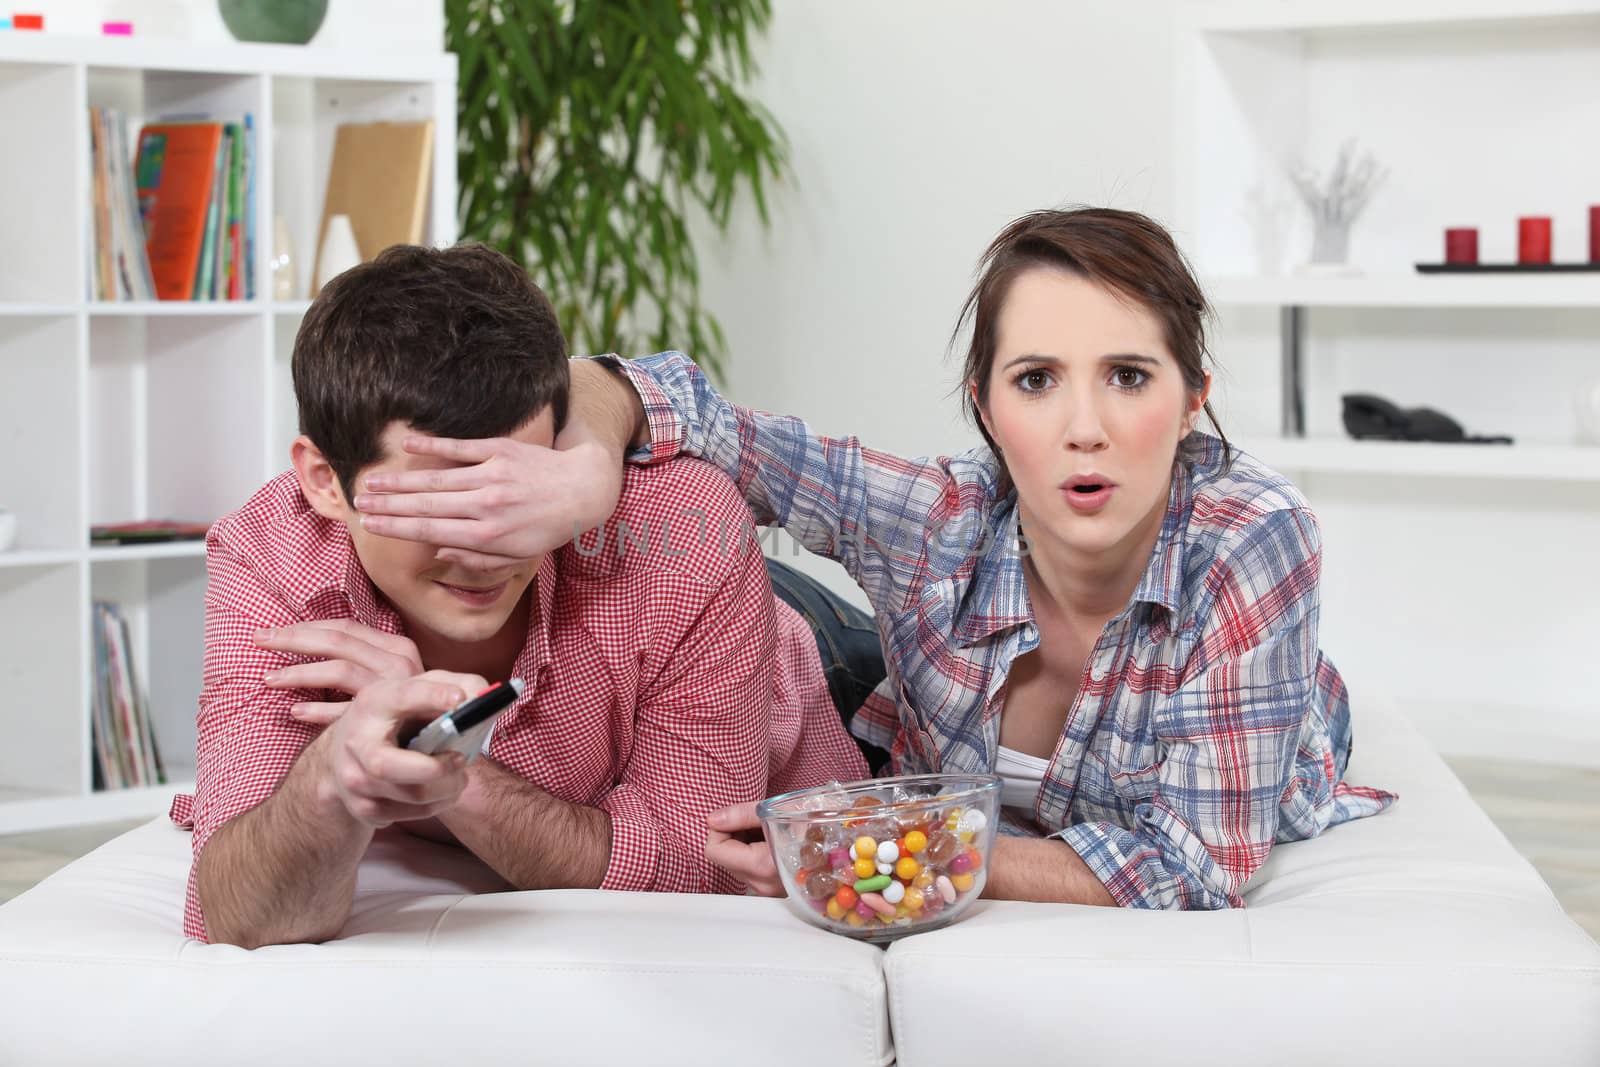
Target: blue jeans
x,y
847,642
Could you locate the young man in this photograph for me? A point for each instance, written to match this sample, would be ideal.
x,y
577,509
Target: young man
x,y
663,681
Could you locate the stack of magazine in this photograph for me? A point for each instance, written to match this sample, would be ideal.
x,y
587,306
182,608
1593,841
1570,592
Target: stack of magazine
x,y
125,753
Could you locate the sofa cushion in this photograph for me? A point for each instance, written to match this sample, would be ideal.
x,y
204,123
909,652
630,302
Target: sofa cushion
x,y
1418,936
94,968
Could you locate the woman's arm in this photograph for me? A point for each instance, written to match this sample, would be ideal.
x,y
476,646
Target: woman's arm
x,y
871,511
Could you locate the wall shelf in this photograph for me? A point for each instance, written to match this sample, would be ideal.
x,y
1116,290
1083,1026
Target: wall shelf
x,y
1276,16
1335,455
1409,290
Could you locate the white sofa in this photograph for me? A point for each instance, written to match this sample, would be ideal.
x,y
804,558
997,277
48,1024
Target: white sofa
x,y
1418,937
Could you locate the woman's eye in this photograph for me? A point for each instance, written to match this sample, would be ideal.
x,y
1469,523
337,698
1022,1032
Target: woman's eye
x,y
1128,377
1032,381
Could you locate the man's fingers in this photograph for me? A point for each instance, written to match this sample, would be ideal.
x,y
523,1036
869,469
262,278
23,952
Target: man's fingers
x,y
340,675
415,776
393,644
441,480
313,713
355,642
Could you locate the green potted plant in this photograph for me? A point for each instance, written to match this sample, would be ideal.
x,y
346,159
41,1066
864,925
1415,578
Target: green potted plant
x,y
589,131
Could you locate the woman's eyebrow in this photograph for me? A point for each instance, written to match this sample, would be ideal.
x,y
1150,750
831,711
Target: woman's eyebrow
x,y
1110,357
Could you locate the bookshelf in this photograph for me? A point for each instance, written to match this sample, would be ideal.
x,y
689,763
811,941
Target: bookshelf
x,y
124,411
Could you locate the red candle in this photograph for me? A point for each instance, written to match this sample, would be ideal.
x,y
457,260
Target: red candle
x,y
1533,239
1461,245
1594,234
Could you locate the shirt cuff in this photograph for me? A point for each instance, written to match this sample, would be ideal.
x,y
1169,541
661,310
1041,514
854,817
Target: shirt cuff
x,y
635,842
1104,851
666,429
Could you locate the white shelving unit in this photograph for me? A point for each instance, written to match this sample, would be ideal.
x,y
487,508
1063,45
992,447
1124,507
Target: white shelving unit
x,y
116,412
1476,107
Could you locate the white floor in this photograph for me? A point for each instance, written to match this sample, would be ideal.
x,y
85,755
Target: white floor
x,y
1550,813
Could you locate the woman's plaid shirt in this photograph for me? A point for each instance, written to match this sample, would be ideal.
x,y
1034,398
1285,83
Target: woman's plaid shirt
x,y
1208,725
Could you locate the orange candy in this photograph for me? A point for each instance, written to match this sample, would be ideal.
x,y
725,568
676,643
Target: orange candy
x,y
846,896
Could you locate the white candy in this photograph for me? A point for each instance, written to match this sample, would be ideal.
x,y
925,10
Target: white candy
x,y
947,889
972,822
888,852
885,868
894,893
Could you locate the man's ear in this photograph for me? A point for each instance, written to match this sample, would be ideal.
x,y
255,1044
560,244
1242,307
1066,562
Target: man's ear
x,y
318,481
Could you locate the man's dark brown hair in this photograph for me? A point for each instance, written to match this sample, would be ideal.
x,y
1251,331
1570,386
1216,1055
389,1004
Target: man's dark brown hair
x,y
455,342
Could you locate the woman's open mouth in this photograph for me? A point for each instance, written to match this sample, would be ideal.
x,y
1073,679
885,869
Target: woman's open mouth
x,y
1087,492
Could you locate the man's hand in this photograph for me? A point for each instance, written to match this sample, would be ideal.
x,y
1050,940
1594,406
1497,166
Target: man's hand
x,y
377,781
735,843
352,657
509,501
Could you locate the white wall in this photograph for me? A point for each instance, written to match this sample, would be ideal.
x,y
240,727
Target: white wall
x,y
398,25
919,128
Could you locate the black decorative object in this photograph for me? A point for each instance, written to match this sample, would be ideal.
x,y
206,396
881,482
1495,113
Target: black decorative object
x,y
1372,418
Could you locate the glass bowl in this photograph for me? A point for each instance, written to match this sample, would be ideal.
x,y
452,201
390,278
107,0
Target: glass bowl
x,y
880,859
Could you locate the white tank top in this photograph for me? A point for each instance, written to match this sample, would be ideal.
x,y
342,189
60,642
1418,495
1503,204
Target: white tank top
x,y
1020,775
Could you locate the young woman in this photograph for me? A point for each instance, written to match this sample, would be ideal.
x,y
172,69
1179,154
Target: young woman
x,y
1107,606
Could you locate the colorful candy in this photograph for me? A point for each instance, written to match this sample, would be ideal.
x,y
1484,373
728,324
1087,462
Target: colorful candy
x,y
897,865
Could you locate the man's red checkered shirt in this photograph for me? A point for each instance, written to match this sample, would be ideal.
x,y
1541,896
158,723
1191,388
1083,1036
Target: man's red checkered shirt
x,y
665,679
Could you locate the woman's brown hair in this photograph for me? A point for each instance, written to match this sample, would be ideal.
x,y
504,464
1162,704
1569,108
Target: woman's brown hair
x,y
1124,251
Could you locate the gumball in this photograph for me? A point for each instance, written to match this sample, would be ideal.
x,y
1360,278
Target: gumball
x,y
865,847
835,909
916,841
864,908
906,869
853,918
914,899
846,896
961,864
894,892
866,868
976,857
962,882
885,868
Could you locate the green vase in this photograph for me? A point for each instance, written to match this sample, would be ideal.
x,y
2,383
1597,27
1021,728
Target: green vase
x,y
273,21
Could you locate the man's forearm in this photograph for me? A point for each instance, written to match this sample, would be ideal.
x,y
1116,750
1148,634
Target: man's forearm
x,y
284,871
530,838
607,407
1048,871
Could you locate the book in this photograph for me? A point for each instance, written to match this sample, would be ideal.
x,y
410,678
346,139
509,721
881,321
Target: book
x,y
121,264
379,177
148,531
175,174
123,737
